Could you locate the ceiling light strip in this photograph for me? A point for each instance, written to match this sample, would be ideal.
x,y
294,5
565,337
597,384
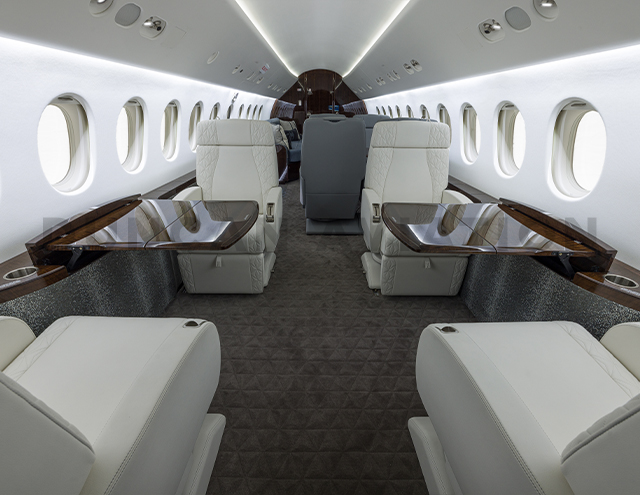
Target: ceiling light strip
x,y
377,36
262,32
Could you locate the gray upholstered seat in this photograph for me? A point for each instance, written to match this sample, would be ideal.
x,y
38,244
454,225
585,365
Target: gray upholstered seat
x,y
370,120
332,173
328,115
529,408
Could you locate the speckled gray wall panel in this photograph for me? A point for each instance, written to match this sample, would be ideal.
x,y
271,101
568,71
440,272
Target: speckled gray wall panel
x,y
518,288
121,283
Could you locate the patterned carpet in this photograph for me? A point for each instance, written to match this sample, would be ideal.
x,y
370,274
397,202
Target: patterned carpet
x,y
318,374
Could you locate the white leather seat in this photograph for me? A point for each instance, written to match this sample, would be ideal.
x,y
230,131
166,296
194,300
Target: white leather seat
x,y
109,405
408,163
528,408
236,160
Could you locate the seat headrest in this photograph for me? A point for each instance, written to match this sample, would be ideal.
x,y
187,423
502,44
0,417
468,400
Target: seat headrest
x,y
235,132
371,119
410,134
274,121
330,116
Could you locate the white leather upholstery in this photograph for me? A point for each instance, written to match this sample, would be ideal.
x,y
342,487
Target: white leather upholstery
x,y
505,399
15,336
137,390
193,193
409,163
605,458
623,341
236,160
40,452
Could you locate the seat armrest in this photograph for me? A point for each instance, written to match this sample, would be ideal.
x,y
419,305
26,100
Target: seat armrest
x,y
371,216
193,193
15,337
623,341
273,218
454,197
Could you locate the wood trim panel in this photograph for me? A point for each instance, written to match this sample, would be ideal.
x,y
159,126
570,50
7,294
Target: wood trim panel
x,y
596,283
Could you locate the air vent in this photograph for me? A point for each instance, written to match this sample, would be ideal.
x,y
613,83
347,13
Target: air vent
x,y
408,68
396,74
213,58
252,74
518,19
238,68
491,30
259,80
128,15
416,65
369,86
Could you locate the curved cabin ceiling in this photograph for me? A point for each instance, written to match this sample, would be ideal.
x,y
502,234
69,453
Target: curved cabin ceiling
x,y
442,35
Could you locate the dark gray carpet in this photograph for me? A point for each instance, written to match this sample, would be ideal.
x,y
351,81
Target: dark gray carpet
x,y
318,374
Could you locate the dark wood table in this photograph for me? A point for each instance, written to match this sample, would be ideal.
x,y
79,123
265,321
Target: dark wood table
x,y
161,224
481,228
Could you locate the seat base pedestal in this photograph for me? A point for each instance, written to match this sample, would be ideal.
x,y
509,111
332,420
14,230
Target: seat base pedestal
x,y
334,227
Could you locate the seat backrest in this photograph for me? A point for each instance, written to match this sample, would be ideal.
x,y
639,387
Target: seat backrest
x,y
40,451
333,166
236,160
606,457
370,120
408,161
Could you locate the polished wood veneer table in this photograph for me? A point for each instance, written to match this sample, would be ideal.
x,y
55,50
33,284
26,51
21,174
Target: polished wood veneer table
x,y
489,228
162,224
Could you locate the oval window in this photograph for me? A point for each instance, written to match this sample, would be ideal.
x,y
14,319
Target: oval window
x,y
424,113
215,112
130,135
512,139
63,144
169,130
579,149
194,120
470,133
409,112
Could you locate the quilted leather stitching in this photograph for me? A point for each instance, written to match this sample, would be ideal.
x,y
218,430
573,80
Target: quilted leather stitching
x,y
625,380
459,271
390,243
30,355
257,280
267,165
184,261
438,162
388,275
261,134
206,163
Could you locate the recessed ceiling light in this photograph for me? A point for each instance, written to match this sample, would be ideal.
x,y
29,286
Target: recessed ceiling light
x,y
263,33
546,8
377,35
97,7
213,57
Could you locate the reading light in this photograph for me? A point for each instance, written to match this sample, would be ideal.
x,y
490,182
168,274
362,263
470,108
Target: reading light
x,y
378,35
100,1
491,27
546,8
98,7
544,3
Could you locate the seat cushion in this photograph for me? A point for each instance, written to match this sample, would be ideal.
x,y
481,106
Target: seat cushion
x,y
506,398
137,388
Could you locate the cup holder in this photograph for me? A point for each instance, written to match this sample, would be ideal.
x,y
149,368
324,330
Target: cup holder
x,y
621,281
20,273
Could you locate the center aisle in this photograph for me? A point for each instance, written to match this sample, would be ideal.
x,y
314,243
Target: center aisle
x,y
318,373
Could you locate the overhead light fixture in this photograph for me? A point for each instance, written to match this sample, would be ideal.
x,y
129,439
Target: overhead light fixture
x,y
546,8
491,30
263,33
152,27
378,35
98,7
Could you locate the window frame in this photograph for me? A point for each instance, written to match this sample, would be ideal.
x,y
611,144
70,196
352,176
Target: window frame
x,y
169,144
215,112
194,120
240,111
78,131
135,130
507,117
470,147
424,112
565,131
409,112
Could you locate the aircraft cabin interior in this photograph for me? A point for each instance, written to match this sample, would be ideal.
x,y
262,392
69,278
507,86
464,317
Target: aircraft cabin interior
x,y
381,247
